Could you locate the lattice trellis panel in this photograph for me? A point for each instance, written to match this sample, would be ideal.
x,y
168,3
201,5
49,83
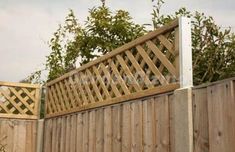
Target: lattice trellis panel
x,y
19,100
143,67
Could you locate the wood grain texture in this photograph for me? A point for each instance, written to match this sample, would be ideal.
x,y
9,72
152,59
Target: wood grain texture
x,y
146,66
18,135
140,125
147,124
200,120
19,100
221,104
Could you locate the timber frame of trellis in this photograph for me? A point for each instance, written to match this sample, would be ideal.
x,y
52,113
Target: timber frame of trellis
x,y
19,100
155,63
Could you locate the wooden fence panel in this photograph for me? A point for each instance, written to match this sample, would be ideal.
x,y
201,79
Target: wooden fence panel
x,y
146,66
18,135
19,100
147,124
221,105
200,118
141,125
214,117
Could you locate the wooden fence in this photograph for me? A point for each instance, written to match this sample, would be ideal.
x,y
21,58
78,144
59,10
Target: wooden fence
x,y
138,125
19,111
87,109
17,135
214,117
19,100
148,124
143,67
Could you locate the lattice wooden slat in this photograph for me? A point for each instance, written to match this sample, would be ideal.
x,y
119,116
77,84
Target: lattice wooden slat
x,y
19,100
145,66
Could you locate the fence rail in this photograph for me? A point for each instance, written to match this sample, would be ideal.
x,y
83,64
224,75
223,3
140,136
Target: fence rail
x,y
145,66
19,100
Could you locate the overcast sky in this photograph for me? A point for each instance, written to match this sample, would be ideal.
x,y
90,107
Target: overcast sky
x,y
27,25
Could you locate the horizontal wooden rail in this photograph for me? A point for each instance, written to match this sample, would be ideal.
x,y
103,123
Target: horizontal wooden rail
x,y
19,100
15,84
146,66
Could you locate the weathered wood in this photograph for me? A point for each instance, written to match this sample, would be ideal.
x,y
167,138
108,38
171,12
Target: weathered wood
x,y
162,124
126,128
18,135
85,132
79,135
108,129
148,127
136,127
99,134
92,131
73,133
221,117
200,120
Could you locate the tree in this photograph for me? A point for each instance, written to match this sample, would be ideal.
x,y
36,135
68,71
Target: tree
x,y
213,48
103,31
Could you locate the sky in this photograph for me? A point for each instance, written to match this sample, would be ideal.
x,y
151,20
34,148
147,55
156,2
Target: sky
x,y
27,25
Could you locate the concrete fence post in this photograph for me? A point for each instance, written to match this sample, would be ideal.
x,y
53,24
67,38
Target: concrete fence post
x,y
40,128
182,103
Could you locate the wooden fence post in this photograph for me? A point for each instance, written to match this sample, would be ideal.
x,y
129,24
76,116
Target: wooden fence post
x,y
182,131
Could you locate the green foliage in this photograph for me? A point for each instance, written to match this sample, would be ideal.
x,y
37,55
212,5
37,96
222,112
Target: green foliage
x,y
213,48
102,32
64,47
35,77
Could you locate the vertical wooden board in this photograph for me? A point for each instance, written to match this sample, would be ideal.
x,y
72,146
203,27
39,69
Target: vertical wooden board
x,y
136,126
148,127
200,120
73,133
162,124
47,136
68,133
221,117
16,136
99,125
79,140
126,127
92,131
21,145
45,132
85,131
116,127
215,95
30,138
35,135
54,139
3,135
107,129
62,138
172,122
10,135
58,133
229,115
